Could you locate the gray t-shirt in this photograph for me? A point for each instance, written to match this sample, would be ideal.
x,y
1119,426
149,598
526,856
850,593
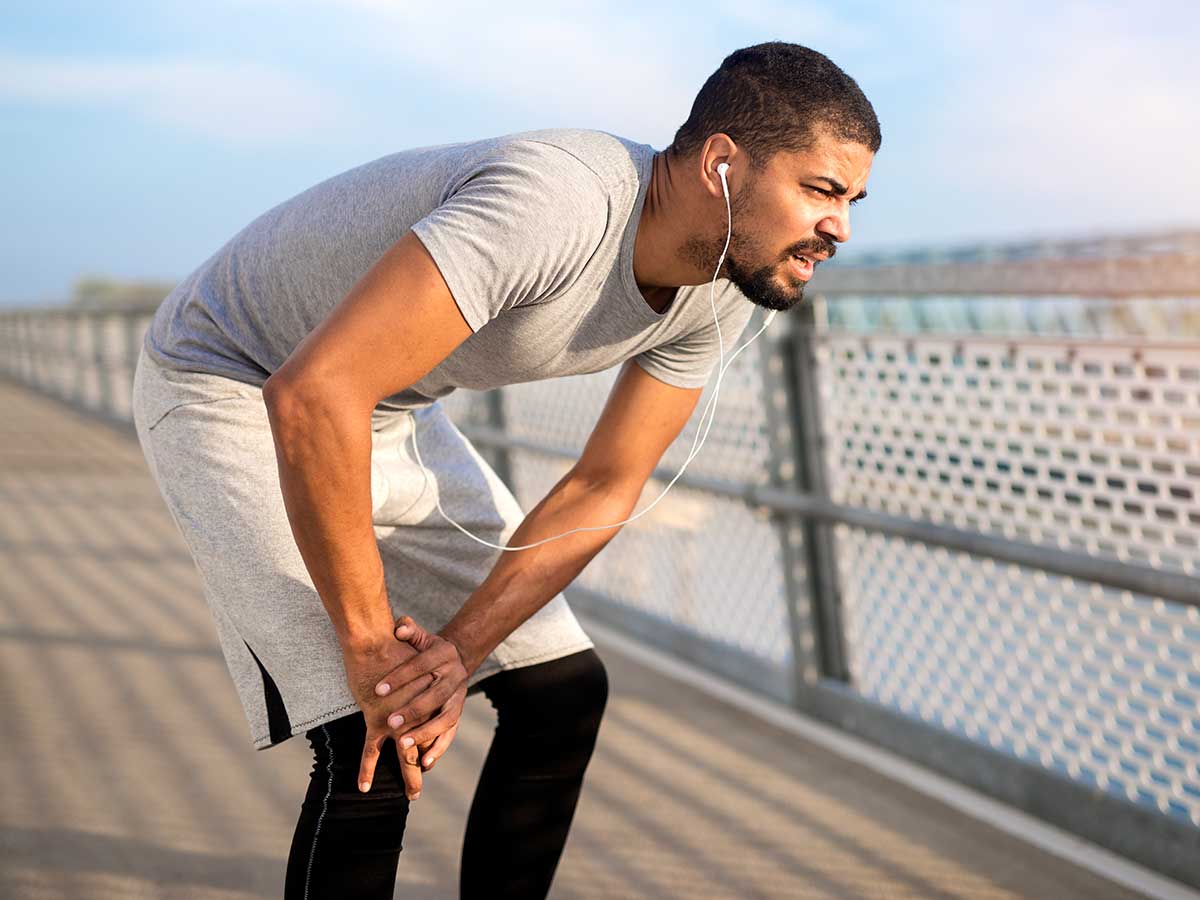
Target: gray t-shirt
x,y
533,233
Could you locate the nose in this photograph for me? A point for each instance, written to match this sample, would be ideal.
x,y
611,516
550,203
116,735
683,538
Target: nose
x,y
835,227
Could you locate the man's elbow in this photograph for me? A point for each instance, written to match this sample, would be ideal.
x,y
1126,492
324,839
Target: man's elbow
x,y
289,395
272,388
296,409
285,413
283,399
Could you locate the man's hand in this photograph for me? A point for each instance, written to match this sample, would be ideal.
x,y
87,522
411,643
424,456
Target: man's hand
x,y
364,668
426,692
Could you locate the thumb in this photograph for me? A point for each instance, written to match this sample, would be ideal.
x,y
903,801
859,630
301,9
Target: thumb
x,y
409,630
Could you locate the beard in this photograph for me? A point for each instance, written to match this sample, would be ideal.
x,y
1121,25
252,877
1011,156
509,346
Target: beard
x,y
760,285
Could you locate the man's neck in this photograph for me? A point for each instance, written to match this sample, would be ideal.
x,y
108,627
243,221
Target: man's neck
x,y
658,268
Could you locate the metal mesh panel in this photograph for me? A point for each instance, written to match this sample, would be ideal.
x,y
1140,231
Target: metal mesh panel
x,y
1099,685
561,412
1090,447
708,566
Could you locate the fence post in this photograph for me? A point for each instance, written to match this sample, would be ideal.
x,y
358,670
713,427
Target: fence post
x,y
77,323
37,330
105,364
40,333
778,402
133,334
811,469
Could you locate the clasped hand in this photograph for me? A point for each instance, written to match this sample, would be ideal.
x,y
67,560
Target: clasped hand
x,y
417,703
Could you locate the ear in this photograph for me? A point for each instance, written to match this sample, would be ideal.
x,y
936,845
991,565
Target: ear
x,y
719,148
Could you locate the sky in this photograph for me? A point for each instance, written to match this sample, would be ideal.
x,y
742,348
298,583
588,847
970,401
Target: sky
x,y
137,137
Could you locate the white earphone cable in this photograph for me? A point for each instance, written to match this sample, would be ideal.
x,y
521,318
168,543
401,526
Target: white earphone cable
x,y
703,427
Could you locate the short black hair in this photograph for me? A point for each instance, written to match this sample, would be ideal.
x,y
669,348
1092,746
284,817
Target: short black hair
x,y
771,97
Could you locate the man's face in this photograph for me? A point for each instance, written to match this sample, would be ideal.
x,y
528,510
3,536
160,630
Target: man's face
x,y
799,205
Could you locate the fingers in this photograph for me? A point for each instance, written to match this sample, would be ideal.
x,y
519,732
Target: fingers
x,y
440,745
370,757
410,765
410,771
445,722
427,697
434,654
402,698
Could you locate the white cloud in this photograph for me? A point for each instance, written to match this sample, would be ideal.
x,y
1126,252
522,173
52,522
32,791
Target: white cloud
x,y
594,66
234,101
636,70
619,66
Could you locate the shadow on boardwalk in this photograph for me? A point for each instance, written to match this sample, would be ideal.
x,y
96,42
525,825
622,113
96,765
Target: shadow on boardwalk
x,y
130,772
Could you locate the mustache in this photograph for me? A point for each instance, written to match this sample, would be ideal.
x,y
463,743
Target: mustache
x,y
815,247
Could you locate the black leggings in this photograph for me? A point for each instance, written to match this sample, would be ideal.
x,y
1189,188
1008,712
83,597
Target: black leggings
x,y
347,844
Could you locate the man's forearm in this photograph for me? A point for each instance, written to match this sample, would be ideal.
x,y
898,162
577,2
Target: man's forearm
x,y
323,452
523,581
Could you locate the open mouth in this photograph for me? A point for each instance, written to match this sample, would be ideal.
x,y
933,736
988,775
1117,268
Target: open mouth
x,y
803,266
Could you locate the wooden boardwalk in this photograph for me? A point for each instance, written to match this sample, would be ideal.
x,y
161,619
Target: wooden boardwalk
x,y
129,772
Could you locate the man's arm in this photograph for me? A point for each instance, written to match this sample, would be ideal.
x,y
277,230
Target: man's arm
x,y
397,323
641,418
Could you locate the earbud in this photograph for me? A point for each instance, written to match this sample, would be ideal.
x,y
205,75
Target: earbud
x,y
701,431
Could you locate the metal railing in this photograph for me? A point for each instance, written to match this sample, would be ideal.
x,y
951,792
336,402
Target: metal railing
x,y
85,357
982,552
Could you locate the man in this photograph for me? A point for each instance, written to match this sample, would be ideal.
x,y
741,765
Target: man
x,y
283,383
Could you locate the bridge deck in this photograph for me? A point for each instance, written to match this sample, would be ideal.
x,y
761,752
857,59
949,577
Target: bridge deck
x,y
130,773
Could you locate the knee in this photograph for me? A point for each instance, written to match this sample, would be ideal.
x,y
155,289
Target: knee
x,y
570,690
584,682
548,715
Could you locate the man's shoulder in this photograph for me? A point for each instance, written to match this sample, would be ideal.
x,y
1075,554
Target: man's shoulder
x,y
615,159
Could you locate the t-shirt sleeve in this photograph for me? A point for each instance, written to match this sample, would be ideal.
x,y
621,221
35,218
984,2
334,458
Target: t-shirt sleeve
x,y
689,361
519,227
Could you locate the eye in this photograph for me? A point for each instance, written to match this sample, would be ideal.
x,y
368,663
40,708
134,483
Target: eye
x,y
825,193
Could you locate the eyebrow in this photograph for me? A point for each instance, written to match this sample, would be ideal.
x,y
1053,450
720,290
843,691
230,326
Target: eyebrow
x,y
839,188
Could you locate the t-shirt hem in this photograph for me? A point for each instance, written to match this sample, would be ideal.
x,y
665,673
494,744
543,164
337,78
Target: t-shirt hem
x,y
166,361
668,377
441,255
